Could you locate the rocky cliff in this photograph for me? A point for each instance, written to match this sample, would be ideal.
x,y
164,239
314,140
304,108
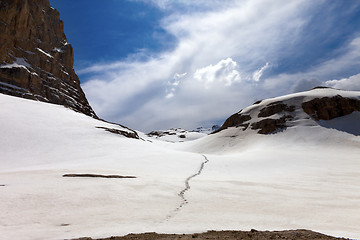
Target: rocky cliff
x,y
36,61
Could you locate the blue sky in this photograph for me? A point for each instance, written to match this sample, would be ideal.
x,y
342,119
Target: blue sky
x,y
158,64
102,31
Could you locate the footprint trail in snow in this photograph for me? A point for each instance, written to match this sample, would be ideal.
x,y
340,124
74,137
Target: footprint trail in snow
x,y
181,194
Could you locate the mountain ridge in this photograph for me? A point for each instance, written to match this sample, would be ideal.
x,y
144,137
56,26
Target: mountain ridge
x,y
276,114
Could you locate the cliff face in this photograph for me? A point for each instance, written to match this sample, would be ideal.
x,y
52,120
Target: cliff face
x,y
36,61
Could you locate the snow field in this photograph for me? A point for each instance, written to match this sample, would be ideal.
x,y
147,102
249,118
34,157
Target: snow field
x,y
306,177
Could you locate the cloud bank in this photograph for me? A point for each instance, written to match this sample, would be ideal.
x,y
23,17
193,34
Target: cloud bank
x,y
228,54
352,83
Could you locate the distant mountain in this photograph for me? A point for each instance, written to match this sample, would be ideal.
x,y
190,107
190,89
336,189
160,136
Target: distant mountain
x,y
181,135
206,130
176,135
315,107
36,61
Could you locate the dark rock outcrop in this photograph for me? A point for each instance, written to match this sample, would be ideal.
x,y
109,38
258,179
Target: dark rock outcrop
x,y
264,126
327,108
158,133
36,62
275,107
235,120
91,175
269,125
129,134
215,127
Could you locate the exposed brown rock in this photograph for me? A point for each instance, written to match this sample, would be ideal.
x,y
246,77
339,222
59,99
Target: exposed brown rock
x,y
265,126
230,235
275,107
155,133
36,62
270,125
235,120
129,134
327,108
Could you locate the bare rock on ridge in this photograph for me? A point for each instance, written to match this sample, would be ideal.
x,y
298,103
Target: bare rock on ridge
x,y
272,115
36,61
266,124
235,120
328,108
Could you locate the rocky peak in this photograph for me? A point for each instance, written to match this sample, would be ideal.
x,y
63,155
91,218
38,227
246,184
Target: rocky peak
x,y
36,61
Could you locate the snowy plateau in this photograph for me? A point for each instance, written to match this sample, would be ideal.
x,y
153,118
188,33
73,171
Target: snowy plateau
x,y
306,176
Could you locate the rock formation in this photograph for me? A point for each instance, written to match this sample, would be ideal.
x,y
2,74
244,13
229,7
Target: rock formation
x,y
328,108
272,115
36,61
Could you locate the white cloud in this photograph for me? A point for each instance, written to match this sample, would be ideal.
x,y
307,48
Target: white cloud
x,y
352,83
179,75
173,84
221,50
225,71
257,75
170,94
187,4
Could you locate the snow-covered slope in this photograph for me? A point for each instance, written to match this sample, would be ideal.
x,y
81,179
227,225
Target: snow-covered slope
x,y
40,142
306,177
286,115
